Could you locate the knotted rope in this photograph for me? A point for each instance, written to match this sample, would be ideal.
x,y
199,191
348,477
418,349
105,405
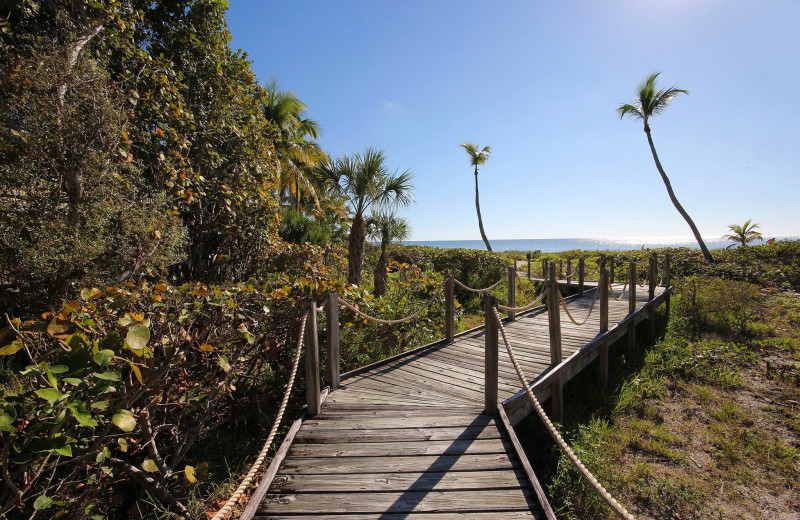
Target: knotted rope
x,y
485,289
618,508
352,308
262,456
591,308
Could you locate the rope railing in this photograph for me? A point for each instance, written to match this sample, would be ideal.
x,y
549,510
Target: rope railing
x,y
611,290
226,509
355,310
527,307
485,289
613,503
569,314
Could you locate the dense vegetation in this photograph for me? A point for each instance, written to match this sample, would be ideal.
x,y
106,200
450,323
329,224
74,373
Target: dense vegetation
x,y
165,219
705,423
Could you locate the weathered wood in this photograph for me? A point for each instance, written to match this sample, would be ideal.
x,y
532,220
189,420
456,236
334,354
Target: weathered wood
x,y
529,265
569,271
491,353
611,267
385,481
554,318
312,361
512,291
405,502
557,400
632,281
449,309
581,275
651,310
545,269
266,481
471,515
544,504
653,276
332,339
560,268
603,299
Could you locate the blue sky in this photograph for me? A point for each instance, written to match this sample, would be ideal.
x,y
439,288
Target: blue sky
x,y
540,82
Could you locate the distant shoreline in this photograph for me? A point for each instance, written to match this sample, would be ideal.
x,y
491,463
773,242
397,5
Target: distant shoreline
x,y
557,245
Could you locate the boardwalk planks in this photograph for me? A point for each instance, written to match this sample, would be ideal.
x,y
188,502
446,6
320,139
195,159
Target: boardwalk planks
x,y
410,437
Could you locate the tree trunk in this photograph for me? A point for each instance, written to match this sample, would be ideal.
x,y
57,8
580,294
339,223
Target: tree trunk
x,y
478,207
381,277
355,250
297,194
686,217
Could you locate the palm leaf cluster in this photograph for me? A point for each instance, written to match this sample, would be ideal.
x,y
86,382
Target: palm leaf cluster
x,y
743,235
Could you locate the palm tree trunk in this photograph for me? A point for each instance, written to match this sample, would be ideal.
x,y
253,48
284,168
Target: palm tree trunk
x,y
686,217
355,249
380,275
478,207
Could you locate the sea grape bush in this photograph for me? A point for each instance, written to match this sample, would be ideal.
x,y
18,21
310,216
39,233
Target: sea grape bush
x,y
121,383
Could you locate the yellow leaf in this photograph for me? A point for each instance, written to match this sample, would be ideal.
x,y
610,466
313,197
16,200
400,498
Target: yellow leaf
x,y
136,372
205,347
161,287
188,472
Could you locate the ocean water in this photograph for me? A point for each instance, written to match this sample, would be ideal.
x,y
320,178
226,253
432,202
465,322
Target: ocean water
x,y
555,245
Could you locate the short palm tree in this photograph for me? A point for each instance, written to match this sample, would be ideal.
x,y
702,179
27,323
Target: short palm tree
x,y
743,235
365,181
477,157
386,228
650,102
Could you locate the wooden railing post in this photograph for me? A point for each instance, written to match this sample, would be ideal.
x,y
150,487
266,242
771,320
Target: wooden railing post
x,y
491,357
581,274
554,317
602,352
653,275
529,266
544,269
332,328
569,271
603,299
611,269
312,361
554,320
560,273
651,309
667,281
632,281
512,291
449,309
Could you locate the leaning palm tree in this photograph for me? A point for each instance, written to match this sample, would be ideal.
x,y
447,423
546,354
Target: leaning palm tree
x,y
743,235
365,181
651,102
386,228
478,156
297,149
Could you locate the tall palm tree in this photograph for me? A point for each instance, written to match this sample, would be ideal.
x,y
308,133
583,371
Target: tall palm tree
x,y
365,181
745,234
478,156
650,102
386,228
297,149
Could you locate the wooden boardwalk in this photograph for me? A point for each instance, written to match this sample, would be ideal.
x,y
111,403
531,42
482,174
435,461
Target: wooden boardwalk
x,y
408,437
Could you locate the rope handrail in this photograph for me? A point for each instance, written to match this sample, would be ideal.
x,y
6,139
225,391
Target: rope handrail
x,y
485,289
355,310
618,508
611,290
569,314
226,509
527,307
